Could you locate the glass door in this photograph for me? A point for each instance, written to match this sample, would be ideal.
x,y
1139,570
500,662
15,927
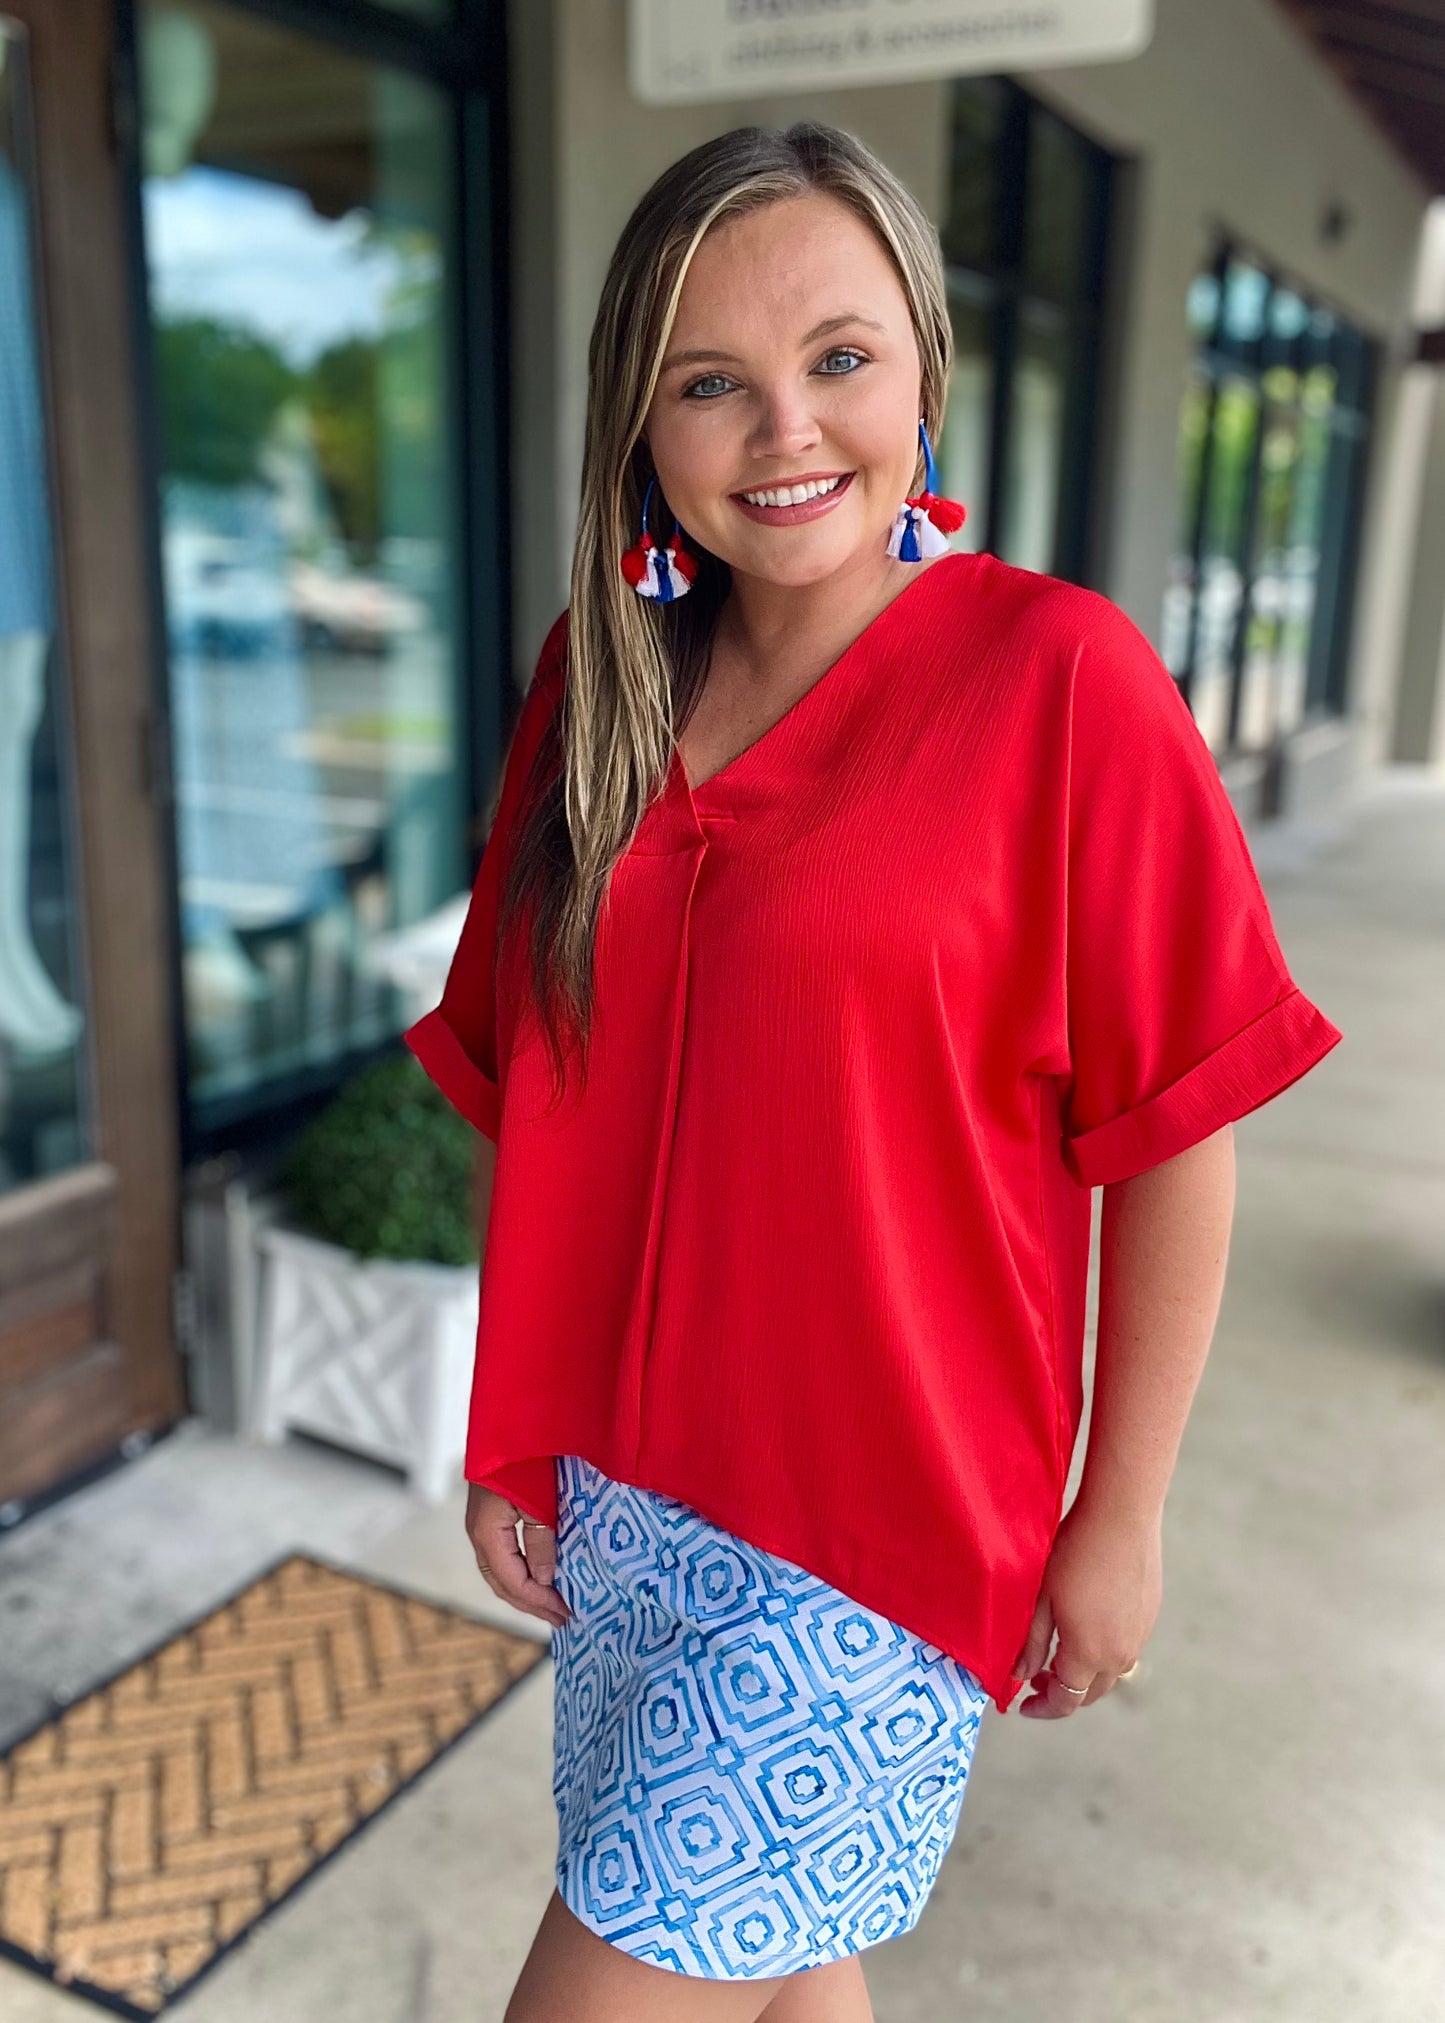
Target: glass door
x,y
44,1125
301,247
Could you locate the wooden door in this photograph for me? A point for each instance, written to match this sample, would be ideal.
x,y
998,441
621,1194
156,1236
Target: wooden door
x,y
88,1183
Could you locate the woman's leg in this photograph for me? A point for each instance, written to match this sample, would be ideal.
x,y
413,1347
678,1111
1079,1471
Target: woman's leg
x,y
836,1993
573,1976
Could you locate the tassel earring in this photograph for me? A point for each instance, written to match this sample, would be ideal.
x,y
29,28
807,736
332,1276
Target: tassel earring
x,y
664,574
925,522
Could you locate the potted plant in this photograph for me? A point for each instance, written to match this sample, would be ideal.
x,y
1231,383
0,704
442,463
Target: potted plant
x,y
368,1307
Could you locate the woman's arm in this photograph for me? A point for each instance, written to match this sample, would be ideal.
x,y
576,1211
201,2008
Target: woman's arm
x,y
526,1580
1163,1249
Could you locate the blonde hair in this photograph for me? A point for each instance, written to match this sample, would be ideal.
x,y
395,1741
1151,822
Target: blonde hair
x,y
636,667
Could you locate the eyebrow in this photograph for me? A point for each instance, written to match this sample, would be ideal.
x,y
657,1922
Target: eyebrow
x,y
829,323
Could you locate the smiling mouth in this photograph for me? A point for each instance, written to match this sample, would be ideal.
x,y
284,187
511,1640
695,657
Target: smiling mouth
x,y
796,494
803,499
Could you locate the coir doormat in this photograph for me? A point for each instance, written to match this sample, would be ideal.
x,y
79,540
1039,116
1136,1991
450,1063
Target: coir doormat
x,y
148,1826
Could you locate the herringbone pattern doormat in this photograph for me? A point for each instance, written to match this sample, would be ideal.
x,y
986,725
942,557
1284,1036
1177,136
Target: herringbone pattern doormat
x,y
148,1826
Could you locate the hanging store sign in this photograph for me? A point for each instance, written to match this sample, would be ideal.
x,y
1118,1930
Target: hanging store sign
x,y
682,50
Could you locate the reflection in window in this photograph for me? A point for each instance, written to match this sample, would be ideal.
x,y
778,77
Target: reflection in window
x,y
297,245
1035,449
1271,443
1024,244
970,235
963,449
42,1127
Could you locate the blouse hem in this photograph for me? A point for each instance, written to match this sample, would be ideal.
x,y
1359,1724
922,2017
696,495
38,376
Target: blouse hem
x,y
529,1481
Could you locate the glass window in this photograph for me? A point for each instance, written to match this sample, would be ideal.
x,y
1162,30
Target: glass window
x,y
1203,307
963,451
1036,439
42,1028
1023,245
298,245
1272,427
1246,302
970,235
1056,209
1226,526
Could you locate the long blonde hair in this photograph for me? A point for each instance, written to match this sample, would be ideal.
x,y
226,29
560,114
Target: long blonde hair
x,y
635,668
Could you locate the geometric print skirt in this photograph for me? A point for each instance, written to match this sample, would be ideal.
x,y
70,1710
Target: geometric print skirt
x,y
753,1773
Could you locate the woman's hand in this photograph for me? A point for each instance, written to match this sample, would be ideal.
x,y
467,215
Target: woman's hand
x,y
1101,1591
524,1580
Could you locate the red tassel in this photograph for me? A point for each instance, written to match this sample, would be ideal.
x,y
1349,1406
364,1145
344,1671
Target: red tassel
x,y
634,561
946,514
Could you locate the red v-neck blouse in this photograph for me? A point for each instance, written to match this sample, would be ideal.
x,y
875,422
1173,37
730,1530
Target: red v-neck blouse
x,y
971,929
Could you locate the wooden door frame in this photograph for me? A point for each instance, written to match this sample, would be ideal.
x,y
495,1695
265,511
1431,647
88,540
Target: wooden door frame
x,y
100,509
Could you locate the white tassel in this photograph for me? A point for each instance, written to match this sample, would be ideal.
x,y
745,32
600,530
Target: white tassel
x,y
926,538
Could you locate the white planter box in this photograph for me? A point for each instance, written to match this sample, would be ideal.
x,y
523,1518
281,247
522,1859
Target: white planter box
x,y
374,1355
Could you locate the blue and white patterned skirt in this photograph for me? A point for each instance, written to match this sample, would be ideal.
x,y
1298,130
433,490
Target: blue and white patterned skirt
x,y
753,1773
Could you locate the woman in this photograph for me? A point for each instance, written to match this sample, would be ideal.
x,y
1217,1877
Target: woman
x,y
852,908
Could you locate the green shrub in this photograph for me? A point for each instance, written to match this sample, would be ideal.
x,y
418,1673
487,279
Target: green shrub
x,y
385,1170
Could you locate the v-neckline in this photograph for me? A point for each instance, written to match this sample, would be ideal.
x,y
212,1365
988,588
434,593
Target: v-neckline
x,y
725,774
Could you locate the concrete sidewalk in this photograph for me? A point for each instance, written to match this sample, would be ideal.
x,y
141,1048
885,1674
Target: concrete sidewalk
x,y
1252,1830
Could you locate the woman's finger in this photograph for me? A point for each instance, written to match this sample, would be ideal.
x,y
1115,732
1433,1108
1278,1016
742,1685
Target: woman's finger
x,y
539,1549
1067,1689
501,1556
1051,1700
1069,1668
1035,1652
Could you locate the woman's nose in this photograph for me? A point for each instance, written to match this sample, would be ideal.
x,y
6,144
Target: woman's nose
x,y
785,424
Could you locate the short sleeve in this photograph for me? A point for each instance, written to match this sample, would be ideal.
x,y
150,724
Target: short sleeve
x,y
457,1042
1182,1014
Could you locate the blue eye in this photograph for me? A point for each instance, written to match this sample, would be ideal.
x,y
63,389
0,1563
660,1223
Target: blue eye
x,y
847,351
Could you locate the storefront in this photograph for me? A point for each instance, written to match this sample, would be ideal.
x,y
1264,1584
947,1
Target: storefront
x,y
293,324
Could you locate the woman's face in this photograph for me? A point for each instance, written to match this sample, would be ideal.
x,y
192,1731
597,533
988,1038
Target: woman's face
x,y
792,362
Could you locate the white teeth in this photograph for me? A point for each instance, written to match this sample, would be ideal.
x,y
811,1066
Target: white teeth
x,y
793,495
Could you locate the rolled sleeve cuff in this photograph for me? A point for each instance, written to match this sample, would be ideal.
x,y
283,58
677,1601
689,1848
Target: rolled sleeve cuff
x,y
1256,1064
455,1073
